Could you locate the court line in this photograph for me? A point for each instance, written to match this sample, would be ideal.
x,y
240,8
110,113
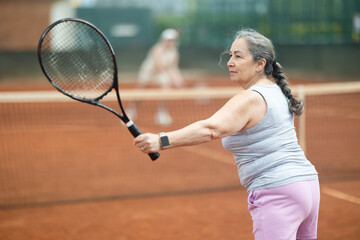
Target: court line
x,y
221,157
340,195
218,156
206,152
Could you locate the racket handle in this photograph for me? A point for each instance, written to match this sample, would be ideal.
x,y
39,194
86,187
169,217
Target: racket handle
x,y
135,131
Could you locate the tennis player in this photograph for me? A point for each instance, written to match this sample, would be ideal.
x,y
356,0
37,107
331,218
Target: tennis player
x,y
257,126
160,67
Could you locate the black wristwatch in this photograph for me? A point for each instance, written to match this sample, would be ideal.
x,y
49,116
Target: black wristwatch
x,y
164,140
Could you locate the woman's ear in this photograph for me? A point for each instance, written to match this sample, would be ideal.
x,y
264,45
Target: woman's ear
x,y
260,65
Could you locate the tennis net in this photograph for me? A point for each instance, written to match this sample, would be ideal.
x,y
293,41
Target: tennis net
x,y
55,150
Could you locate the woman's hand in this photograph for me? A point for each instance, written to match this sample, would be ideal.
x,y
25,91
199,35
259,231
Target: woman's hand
x,y
148,142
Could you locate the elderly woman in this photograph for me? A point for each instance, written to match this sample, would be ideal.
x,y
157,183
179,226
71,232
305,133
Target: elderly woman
x,y
257,126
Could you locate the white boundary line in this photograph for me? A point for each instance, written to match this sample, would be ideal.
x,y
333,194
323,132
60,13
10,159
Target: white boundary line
x,y
187,93
211,154
126,94
340,195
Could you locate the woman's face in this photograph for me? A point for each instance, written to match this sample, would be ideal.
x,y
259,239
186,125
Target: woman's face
x,y
241,65
170,43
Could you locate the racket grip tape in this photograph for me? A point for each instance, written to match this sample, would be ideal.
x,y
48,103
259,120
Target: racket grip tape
x,y
135,131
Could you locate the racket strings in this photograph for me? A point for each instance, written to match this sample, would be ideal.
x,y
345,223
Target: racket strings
x,y
78,60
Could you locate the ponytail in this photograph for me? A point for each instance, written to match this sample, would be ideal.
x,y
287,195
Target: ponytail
x,y
296,105
262,48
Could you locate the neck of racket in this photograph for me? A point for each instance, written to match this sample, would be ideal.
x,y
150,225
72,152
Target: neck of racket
x,y
134,130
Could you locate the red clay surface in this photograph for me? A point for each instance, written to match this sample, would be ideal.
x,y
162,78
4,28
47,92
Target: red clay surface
x,y
210,216
70,171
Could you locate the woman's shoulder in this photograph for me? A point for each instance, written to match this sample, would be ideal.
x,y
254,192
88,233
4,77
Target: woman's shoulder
x,y
267,91
249,101
249,96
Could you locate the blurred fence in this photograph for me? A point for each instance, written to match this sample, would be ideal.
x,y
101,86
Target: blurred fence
x,y
305,33
209,23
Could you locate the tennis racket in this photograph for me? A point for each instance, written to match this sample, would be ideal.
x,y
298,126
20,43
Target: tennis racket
x,y
79,61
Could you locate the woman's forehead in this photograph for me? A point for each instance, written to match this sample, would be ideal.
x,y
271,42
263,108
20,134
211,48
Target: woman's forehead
x,y
239,45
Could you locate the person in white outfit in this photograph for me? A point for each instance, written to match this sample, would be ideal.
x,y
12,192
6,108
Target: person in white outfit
x,y
160,67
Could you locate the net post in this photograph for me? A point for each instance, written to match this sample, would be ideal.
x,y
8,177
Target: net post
x,y
302,120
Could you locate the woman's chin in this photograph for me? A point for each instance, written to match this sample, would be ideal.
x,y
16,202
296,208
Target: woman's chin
x,y
233,78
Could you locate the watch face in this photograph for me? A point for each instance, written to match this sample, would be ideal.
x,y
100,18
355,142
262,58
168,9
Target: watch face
x,y
165,141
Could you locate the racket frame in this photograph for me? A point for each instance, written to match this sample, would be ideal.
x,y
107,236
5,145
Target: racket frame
x,y
134,130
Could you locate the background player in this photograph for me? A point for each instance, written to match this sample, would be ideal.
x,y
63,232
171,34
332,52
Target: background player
x,y
160,67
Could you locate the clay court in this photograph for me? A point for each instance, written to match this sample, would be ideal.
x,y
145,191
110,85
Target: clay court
x,y
69,171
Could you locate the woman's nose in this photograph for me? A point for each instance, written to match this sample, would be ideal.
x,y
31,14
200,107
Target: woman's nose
x,y
230,63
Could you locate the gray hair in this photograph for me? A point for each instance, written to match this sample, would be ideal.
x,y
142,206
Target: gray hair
x,y
261,47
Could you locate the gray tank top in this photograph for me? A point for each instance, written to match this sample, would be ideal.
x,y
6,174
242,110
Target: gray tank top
x,y
268,155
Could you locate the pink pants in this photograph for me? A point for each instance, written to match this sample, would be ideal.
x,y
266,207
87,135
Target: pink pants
x,y
285,213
